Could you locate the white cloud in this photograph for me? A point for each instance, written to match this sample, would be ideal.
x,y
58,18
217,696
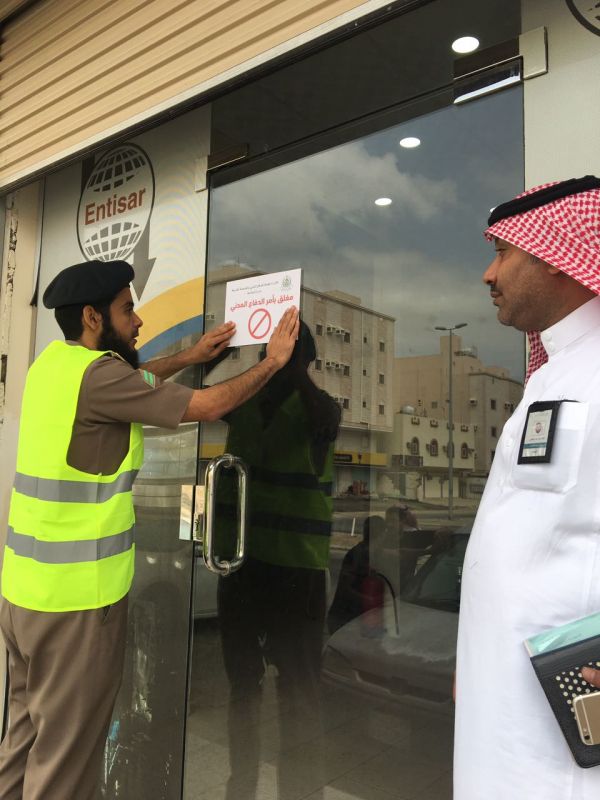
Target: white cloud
x,y
296,207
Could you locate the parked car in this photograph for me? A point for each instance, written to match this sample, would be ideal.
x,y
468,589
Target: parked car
x,y
405,650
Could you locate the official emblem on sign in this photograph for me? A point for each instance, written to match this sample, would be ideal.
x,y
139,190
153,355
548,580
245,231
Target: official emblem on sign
x,y
116,204
286,282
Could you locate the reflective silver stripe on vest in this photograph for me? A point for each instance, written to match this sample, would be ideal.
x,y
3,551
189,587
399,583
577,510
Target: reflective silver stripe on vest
x,y
69,552
73,491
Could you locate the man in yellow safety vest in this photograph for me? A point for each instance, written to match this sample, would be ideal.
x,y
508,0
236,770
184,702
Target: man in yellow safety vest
x,y
69,555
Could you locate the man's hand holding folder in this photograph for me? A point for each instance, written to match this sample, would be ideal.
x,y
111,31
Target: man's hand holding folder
x,y
592,676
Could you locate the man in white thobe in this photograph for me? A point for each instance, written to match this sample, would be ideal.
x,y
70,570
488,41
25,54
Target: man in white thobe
x,y
533,560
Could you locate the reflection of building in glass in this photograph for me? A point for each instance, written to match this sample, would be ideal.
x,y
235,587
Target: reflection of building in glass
x,y
420,456
483,398
354,365
393,438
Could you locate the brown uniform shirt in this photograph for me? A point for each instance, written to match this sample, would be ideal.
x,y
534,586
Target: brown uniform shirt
x,y
113,395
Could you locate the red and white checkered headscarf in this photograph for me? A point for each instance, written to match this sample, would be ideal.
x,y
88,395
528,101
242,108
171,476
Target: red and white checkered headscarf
x,y
566,234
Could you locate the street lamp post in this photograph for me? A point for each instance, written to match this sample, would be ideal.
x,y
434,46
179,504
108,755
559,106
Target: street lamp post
x,y
450,329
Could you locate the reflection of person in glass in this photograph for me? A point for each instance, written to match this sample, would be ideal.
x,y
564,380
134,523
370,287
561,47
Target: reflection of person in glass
x,y
403,537
351,595
398,519
533,560
272,611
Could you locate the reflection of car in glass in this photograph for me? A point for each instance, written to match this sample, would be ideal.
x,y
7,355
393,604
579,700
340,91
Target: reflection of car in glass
x,y
405,650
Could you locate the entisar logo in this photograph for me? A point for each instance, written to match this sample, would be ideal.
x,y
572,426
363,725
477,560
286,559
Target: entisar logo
x,y
116,204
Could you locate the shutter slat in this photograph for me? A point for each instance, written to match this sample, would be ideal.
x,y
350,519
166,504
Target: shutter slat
x,y
72,72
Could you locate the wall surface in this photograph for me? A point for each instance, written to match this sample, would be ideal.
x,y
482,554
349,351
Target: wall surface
x,y
562,108
18,316
19,258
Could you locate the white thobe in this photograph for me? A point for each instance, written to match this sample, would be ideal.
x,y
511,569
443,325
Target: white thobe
x,y
532,563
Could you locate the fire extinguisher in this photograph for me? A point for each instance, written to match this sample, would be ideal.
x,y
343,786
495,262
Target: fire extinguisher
x,y
372,592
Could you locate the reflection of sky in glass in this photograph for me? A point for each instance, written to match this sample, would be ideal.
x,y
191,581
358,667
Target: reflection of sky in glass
x,y
419,259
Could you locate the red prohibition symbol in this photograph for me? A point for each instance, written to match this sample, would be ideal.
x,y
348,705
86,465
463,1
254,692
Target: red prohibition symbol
x,y
259,323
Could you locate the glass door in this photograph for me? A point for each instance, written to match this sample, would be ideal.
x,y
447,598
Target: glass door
x,y
323,667
164,238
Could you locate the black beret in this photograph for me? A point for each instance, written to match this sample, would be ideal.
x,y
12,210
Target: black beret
x,y
87,283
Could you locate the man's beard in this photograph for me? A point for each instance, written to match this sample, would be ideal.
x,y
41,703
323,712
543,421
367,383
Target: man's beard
x,y
110,340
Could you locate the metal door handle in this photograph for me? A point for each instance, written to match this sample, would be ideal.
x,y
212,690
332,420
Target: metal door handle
x,y
215,564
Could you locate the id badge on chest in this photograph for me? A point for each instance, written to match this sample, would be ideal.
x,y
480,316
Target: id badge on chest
x,y
538,434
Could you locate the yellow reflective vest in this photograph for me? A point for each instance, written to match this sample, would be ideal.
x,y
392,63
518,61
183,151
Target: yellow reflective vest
x,y
70,533
290,502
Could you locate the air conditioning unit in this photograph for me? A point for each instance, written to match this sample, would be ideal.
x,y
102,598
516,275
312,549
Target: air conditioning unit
x,y
434,423
473,401
415,420
330,329
338,365
339,331
330,364
464,427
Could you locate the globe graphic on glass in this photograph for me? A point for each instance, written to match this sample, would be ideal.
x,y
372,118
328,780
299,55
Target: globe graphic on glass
x,y
123,170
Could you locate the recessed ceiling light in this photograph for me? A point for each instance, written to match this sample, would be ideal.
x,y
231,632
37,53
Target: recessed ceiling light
x,y
383,201
466,44
410,141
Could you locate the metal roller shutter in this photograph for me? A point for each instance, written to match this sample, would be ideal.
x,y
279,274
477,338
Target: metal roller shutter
x,y
75,72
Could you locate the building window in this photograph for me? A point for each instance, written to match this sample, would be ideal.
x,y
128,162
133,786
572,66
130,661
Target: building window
x,y
381,347
434,403
346,369
346,336
414,446
364,403
493,404
235,354
494,431
381,378
433,448
492,454
365,340
365,373
346,402
319,329
318,364
381,408
464,450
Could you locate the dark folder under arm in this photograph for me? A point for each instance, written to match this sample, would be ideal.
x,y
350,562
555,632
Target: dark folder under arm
x,y
559,673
